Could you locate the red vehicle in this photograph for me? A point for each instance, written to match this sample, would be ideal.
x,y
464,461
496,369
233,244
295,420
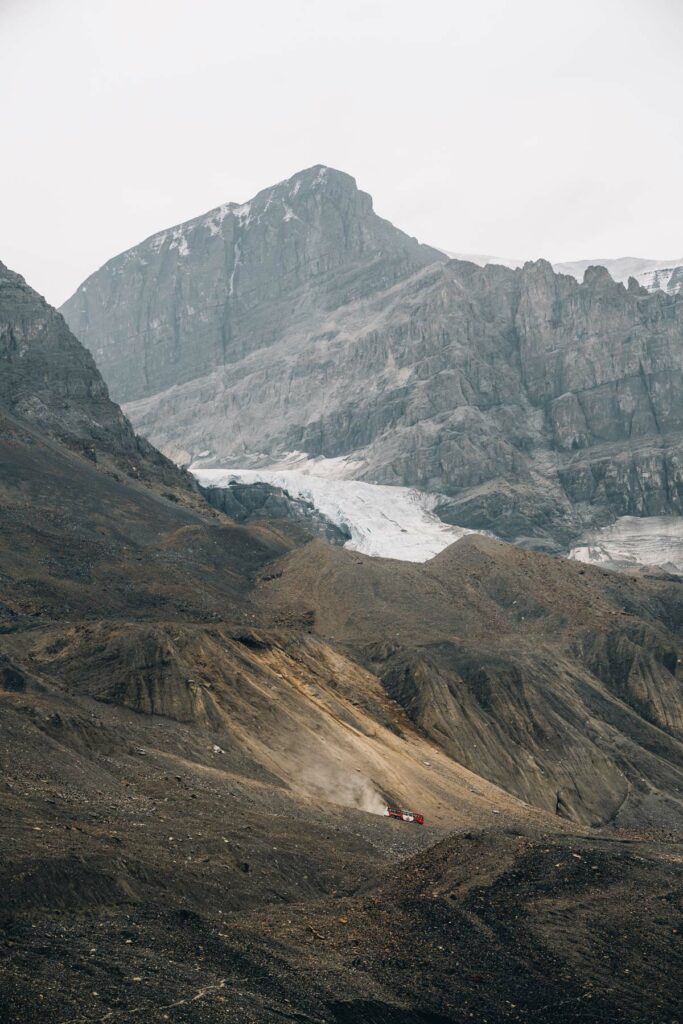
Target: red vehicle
x,y
403,815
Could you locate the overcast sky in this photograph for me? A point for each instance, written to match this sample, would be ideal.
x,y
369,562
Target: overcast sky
x,y
520,129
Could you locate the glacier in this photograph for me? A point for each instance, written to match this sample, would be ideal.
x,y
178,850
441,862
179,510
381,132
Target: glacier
x,y
387,522
400,522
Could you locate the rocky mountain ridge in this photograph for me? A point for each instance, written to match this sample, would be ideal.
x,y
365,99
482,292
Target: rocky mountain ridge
x,y
655,275
538,406
493,650
114,544
529,431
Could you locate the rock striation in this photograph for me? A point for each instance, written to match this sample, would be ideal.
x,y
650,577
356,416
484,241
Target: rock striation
x,y
557,681
537,405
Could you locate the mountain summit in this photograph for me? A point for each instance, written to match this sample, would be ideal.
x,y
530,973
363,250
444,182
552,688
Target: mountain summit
x,y
210,291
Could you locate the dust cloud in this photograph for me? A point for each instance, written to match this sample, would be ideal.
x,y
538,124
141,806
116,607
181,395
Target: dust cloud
x,y
340,786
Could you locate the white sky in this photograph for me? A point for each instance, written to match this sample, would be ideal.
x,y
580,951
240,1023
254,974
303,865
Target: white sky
x,y
526,128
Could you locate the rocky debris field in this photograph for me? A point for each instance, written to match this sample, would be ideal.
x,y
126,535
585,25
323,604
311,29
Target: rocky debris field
x,y
193,896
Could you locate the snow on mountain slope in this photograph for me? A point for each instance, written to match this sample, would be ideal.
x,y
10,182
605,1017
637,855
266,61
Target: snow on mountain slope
x,y
657,540
668,279
343,467
388,522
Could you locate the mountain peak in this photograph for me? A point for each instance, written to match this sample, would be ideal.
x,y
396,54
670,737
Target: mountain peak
x,y
317,176
597,275
539,266
235,279
318,181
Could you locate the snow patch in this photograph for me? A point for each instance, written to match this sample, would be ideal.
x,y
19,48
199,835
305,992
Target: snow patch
x,y
387,522
242,213
344,467
237,256
214,221
661,279
179,242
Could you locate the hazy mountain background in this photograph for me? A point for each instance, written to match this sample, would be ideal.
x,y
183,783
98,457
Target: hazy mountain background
x,y
666,275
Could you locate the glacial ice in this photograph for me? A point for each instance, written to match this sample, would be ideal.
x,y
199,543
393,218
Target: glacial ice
x,y
387,522
400,522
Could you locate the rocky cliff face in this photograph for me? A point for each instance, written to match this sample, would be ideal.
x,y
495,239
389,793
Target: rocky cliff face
x,y
668,279
537,405
48,379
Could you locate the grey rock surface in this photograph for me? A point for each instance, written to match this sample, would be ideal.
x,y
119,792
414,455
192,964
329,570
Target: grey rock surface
x,y
302,322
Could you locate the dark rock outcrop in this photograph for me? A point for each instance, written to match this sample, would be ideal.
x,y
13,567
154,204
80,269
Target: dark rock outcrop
x,y
247,502
48,379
